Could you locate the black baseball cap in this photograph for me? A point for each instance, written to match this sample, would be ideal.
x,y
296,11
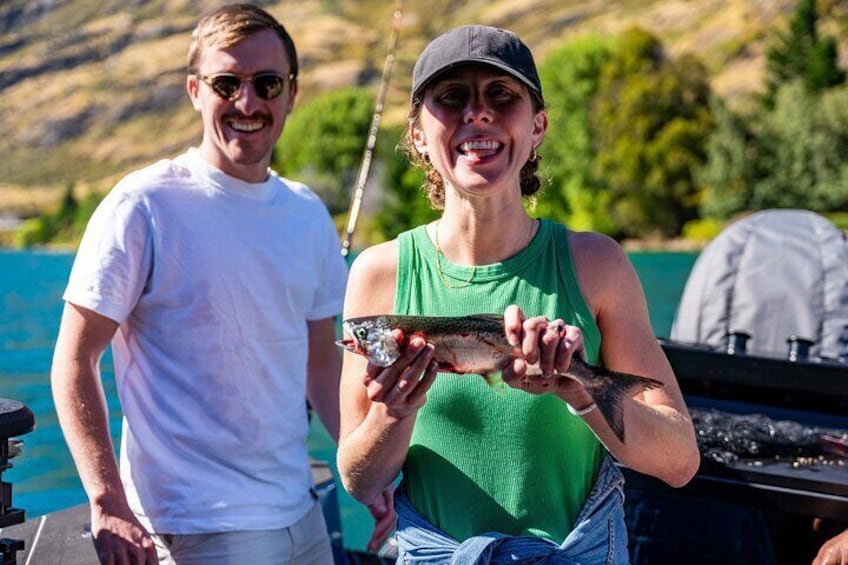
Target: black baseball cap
x,y
475,44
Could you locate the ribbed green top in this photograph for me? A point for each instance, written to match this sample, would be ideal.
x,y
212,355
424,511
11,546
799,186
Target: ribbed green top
x,y
487,461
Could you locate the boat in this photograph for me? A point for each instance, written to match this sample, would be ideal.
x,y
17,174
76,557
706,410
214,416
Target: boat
x,y
760,338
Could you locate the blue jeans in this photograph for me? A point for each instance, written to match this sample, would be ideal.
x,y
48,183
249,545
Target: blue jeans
x,y
599,537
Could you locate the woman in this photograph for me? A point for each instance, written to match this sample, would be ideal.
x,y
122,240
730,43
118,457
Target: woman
x,y
526,467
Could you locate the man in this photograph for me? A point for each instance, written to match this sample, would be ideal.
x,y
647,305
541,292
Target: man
x,y
216,282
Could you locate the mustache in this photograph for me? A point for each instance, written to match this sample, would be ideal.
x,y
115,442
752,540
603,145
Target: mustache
x,y
258,115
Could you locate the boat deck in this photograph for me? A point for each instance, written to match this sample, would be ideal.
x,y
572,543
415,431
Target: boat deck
x,y
64,537
61,537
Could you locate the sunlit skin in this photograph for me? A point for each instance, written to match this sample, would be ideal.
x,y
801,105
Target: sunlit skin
x,y
479,128
239,135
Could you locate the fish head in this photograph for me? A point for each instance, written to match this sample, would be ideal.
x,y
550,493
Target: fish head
x,y
372,337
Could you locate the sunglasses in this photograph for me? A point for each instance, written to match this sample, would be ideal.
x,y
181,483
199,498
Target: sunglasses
x,y
226,85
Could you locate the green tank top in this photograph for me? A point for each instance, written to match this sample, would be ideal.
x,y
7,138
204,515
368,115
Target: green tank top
x,y
482,460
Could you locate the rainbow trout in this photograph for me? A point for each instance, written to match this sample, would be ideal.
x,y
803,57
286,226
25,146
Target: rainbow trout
x,y
478,345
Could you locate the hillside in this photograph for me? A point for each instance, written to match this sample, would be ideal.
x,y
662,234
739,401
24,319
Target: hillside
x,y
92,88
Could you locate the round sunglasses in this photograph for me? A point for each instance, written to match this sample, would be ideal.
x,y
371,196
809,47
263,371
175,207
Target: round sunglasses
x,y
227,85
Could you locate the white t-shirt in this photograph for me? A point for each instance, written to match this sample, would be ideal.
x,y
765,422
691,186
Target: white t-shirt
x,y
212,281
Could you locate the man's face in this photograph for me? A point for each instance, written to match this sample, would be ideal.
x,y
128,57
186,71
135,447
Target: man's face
x,y
239,134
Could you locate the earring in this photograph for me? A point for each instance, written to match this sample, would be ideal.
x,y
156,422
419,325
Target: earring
x,y
533,156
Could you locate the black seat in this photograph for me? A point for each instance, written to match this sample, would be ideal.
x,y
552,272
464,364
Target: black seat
x,y
15,418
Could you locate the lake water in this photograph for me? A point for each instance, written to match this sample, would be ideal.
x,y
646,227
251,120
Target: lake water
x,y
44,478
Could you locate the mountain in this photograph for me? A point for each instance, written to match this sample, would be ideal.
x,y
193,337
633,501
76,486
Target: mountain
x,y
93,88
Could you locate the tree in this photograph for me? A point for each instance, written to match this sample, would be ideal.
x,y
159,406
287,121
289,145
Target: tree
x,y
791,150
323,141
570,76
65,224
801,53
732,164
403,204
805,151
651,120
794,155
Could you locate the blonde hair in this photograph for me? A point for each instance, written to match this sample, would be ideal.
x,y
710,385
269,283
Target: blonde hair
x,y
228,25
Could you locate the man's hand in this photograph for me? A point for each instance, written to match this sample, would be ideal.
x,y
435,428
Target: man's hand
x,y
834,551
120,539
385,520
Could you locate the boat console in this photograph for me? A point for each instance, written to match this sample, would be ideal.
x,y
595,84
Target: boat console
x,y
16,419
811,393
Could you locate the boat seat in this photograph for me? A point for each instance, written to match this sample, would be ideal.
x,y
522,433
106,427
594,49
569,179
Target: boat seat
x,y
15,418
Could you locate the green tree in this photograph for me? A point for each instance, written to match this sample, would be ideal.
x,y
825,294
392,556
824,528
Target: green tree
x,y
801,53
403,204
732,165
323,141
651,119
570,76
65,224
794,155
805,151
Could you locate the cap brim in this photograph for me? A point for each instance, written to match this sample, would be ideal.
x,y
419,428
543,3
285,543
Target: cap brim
x,y
426,81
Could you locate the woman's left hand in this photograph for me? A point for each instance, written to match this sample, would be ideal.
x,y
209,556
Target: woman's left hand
x,y
547,348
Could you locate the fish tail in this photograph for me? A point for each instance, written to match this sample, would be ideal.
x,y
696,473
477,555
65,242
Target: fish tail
x,y
610,388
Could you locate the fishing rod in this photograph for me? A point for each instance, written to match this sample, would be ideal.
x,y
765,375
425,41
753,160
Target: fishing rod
x,y
365,166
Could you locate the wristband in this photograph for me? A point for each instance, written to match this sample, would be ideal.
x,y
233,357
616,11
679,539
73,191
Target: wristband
x,y
582,412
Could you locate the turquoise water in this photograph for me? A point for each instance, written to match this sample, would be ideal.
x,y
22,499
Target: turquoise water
x,y
44,478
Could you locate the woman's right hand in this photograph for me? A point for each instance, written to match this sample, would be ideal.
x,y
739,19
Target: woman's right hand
x,y
403,385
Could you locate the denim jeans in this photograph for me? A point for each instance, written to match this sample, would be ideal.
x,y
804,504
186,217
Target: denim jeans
x,y
599,536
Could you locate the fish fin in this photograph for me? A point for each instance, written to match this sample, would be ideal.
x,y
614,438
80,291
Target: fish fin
x,y
495,380
610,388
489,317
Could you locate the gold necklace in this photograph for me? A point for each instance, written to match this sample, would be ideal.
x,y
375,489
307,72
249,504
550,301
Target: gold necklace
x,y
439,255
466,282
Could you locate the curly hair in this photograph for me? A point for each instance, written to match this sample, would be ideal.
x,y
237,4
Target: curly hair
x,y
434,185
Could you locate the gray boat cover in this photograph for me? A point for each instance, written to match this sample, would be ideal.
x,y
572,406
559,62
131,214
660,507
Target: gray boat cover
x,y
772,275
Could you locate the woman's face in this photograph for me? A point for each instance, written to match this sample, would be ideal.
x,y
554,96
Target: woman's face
x,y
478,127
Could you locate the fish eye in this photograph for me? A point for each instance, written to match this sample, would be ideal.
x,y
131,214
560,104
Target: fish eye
x,y
360,333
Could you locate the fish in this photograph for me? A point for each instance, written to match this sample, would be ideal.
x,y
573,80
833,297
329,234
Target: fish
x,y
477,344
728,438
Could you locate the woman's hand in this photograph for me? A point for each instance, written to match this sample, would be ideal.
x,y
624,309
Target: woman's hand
x,y
547,348
401,387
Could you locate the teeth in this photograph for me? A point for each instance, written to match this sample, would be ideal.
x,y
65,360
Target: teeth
x,y
487,145
479,148
246,126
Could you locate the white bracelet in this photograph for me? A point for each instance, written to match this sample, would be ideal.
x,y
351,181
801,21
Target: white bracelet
x,y
581,412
